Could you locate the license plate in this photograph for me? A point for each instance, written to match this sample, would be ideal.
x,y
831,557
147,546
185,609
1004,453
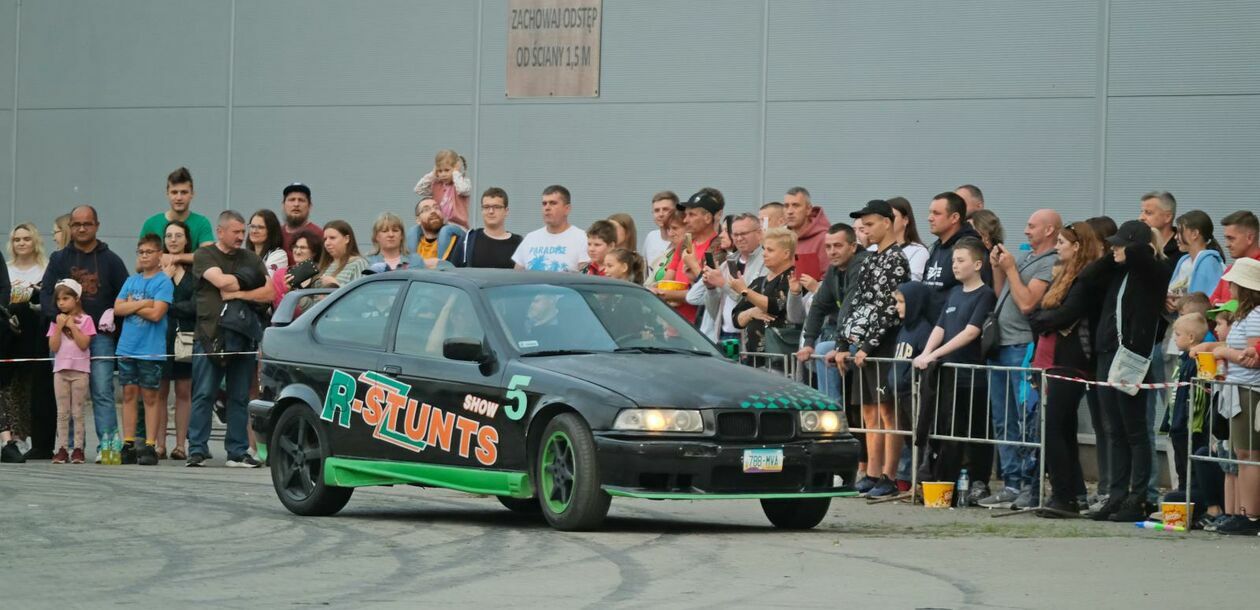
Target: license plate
x,y
763,460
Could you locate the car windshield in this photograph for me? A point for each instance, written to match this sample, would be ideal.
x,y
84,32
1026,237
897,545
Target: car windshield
x,y
542,319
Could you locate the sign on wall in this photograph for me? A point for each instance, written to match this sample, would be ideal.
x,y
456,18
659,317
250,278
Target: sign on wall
x,y
553,48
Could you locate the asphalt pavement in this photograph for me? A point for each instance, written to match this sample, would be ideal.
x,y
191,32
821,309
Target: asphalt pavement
x,y
175,537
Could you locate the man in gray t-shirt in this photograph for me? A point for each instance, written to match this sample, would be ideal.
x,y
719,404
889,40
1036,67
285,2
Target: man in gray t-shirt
x,y
1013,401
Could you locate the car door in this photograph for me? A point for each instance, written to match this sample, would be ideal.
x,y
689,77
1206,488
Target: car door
x,y
454,412
351,335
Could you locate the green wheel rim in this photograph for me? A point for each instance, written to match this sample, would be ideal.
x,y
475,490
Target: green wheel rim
x,y
559,472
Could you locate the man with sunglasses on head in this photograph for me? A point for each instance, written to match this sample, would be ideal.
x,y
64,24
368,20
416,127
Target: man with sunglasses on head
x,y
101,273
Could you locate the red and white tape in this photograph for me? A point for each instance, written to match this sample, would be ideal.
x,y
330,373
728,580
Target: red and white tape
x,y
116,357
1108,384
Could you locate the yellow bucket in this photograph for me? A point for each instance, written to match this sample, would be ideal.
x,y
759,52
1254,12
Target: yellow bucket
x,y
671,285
1177,513
938,494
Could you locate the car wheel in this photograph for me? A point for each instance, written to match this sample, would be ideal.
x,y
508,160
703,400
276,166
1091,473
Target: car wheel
x,y
298,449
800,514
568,476
524,506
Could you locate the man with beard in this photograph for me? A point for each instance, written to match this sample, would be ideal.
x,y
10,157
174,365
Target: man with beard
x,y
297,214
422,239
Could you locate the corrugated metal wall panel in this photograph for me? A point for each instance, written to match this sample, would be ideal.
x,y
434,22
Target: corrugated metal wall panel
x,y
117,160
327,52
1170,47
124,53
359,161
614,156
1024,154
656,51
1204,150
8,32
6,165
907,49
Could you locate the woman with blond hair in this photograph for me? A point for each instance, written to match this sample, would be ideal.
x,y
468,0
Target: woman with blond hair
x,y
627,235
28,385
387,236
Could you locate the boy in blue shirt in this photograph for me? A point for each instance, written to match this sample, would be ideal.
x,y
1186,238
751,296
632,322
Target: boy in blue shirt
x,y
142,305
963,411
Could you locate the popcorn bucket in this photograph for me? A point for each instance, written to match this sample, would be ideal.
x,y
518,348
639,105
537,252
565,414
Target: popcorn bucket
x,y
1207,365
938,494
1177,514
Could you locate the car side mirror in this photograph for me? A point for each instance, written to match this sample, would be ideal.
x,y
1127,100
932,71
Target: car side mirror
x,y
465,349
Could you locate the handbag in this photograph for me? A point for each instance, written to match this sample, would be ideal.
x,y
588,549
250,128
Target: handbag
x,y
783,339
1128,368
183,346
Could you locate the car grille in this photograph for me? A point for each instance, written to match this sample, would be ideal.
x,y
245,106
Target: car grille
x,y
767,426
733,478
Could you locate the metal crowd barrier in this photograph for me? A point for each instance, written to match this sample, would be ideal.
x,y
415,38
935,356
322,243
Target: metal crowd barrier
x,y
977,406
1223,398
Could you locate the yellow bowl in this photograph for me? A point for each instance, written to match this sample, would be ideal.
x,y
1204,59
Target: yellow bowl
x,y
671,285
938,494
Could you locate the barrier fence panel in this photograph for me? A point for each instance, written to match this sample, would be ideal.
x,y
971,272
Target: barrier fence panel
x,y
962,399
890,386
1230,405
955,406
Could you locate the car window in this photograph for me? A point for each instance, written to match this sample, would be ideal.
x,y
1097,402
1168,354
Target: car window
x,y
361,317
543,318
431,314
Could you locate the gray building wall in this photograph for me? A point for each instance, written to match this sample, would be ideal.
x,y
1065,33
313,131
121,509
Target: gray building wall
x,y
1078,105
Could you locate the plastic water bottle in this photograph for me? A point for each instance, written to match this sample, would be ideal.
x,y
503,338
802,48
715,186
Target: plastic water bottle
x,y
115,450
107,443
961,488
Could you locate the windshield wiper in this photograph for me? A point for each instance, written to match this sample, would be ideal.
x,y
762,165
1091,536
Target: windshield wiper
x,y
558,352
653,349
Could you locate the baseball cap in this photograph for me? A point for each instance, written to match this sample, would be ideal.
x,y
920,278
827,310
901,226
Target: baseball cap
x,y
298,187
702,200
1226,307
72,285
1245,273
875,206
1131,233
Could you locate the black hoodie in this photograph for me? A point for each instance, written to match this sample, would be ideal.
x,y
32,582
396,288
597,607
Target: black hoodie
x,y
916,327
938,274
100,272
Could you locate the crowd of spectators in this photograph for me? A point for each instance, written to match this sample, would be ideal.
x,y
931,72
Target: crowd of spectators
x,y
865,305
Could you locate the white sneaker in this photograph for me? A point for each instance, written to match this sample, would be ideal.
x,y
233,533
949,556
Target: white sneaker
x,y
245,461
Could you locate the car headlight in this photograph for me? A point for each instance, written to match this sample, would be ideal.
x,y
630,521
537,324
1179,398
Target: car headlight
x,y
659,420
822,422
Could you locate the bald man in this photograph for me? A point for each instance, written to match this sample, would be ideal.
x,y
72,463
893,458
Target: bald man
x,y
1013,400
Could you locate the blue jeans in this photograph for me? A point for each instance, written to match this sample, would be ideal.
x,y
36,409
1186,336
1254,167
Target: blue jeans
x,y
101,386
207,376
828,376
1013,405
1158,374
449,232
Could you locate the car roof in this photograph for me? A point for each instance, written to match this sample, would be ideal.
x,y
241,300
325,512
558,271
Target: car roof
x,y
487,278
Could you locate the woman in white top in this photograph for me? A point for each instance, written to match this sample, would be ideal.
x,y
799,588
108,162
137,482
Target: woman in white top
x,y
266,240
28,385
906,234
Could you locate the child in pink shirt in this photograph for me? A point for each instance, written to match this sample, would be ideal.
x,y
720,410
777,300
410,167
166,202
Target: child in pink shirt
x,y
68,339
450,187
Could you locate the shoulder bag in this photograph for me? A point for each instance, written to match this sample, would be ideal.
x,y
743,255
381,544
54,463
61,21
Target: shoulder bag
x,y
1128,368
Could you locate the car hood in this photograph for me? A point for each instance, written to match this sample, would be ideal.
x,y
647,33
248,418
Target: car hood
x,y
685,381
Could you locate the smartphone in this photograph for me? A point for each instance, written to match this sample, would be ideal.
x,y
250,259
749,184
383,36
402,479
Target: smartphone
x,y
687,242
708,261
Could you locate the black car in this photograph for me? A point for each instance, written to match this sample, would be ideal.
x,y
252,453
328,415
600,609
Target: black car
x,y
553,392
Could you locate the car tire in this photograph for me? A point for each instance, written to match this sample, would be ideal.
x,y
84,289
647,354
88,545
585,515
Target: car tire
x,y
567,474
524,506
800,514
297,451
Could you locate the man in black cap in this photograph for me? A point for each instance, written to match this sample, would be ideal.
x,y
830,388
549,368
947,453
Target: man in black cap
x,y
700,214
870,329
296,203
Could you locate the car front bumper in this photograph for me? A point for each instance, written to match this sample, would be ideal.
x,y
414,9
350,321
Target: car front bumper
x,y
709,468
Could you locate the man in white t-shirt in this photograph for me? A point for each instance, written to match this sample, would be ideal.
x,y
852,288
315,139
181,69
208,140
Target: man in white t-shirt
x,y
654,244
558,245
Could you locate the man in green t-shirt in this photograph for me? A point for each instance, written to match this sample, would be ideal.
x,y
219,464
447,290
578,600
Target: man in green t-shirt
x,y
179,192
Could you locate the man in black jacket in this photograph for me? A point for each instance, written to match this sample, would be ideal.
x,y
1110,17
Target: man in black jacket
x,y
101,273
